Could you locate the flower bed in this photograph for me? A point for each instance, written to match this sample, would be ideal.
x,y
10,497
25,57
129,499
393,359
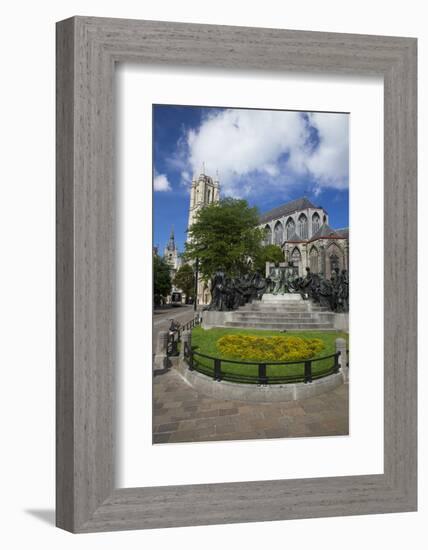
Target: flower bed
x,y
269,348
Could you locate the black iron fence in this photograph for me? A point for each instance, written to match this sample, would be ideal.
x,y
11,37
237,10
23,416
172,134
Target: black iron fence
x,y
176,330
261,373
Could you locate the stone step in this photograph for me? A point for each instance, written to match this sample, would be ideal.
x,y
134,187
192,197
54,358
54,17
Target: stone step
x,y
284,317
263,312
280,326
284,309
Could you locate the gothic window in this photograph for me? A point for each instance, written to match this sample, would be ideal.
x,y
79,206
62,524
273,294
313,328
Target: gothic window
x,y
315,223
279,233
334,262
296,257
268,236
303,226
335,258
289,228
209,196
313,260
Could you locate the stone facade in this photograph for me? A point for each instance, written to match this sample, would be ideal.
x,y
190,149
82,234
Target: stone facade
x,y
172,257
303,232
299,227
205,190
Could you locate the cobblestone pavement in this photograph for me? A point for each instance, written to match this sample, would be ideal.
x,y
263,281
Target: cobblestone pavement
x,y
183,415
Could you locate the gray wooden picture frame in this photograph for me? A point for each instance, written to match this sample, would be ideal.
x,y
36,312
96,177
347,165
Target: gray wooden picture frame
x,y
87,50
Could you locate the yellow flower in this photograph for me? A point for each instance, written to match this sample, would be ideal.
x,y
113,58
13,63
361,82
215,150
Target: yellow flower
x,y
269,348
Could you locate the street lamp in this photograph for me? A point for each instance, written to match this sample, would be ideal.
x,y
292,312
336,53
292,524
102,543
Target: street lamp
x,y
195,304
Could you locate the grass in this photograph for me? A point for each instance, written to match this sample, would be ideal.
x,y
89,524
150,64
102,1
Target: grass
x,y
205,341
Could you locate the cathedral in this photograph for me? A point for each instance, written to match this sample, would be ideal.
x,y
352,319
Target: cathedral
x,y
303,232
299,227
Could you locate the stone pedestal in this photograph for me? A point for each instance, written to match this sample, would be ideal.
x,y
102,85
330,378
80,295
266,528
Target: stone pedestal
x,y
186,339
160,361
341,321
343,358
282,298
211,319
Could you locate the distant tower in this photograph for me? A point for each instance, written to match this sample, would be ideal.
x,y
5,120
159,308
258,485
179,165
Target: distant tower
x,y
170,253
205,190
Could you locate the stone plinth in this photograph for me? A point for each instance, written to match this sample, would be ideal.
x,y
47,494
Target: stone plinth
x,y
253,393
341,321
211,319
282,298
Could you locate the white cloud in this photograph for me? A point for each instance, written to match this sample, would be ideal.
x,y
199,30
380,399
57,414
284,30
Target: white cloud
x,y
249,147
186,178
161,183
329,163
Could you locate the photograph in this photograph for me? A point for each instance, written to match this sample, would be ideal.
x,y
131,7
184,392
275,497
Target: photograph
x,y
250,273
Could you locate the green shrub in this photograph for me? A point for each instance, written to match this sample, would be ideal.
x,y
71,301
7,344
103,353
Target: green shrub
x,y
269,348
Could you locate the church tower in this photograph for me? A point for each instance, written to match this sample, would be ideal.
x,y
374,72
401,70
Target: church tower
x,y
205,190
170,253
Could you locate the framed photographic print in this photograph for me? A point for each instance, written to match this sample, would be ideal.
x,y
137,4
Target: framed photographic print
x,y
236,274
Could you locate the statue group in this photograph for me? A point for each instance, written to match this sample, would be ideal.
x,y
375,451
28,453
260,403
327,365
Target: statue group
x,y
332,293
229,293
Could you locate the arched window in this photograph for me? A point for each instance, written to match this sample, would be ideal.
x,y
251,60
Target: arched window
x,y
279,233
303,226
315,222
334,262
296,258
289,228
313,259
335,259
268,236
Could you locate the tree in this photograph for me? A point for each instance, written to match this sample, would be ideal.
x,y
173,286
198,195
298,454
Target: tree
x,y
268,253
225,235
161,279
185,280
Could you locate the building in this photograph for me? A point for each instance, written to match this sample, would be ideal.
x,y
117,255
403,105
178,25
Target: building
x,y
204,190
171,254
303,232
299,227
172,257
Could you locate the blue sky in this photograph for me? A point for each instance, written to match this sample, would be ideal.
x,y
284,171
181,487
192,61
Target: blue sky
x,y
266,157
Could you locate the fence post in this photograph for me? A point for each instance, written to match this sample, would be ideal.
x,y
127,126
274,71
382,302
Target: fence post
x,y
186,340
308,371
263,380
160,361
217,370
343,360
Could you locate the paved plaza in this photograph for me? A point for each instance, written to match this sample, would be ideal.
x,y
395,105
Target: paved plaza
x,y
183,415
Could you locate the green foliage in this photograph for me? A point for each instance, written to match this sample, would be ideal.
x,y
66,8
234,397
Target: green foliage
x,y
161,279
225,235
269,348
268,253
185,280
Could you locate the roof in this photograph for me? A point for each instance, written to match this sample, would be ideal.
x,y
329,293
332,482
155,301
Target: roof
x,y
286,209
325,232
344,232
